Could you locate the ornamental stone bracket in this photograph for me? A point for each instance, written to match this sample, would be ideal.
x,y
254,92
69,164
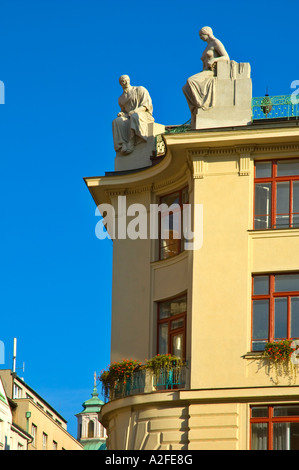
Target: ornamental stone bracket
x,y
197,162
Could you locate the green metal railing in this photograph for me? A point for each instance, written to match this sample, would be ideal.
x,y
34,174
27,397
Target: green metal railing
x,y
263,107
275,107
133,385
165,379
170,378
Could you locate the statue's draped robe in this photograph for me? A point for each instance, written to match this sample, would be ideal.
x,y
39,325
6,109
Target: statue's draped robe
x,y
200,91
135,98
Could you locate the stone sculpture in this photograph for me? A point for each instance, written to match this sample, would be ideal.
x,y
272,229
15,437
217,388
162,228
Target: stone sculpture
x,y
131,125
220,95
200,88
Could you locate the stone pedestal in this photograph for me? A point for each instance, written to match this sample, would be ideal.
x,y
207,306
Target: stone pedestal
x,y
142,153
233,98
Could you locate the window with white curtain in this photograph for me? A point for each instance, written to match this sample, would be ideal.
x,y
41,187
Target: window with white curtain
x,y
275,427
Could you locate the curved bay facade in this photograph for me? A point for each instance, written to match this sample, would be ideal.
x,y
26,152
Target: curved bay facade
x,y
217,305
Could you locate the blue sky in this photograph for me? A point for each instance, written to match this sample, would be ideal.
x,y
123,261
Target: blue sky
x,y
60,62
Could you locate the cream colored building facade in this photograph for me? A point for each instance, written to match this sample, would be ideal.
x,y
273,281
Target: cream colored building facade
x,y
12,437
231,397
44,427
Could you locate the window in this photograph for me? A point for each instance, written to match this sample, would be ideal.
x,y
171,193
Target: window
x,y
1,433
45,441
276,200
33,434
171,223
17,391
275,427
55,445
172,327
90,429
275,308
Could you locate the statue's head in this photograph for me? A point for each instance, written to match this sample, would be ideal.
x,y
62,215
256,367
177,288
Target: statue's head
x,y
206,33
124,80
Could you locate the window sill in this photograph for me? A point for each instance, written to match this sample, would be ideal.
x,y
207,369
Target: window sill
x,y
266,230
253,355
274,233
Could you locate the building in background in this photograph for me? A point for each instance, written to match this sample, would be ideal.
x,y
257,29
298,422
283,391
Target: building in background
x,y
91,433
40,424
12,437
216,304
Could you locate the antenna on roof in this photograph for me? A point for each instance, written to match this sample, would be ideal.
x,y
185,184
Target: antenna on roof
x,y
14,354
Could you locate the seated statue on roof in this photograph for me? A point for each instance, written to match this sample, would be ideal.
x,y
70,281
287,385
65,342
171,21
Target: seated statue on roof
x,y
220,95
131,125
200,88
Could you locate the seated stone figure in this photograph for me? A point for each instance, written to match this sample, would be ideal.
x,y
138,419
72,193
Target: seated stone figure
x,y
200,88
220,95
131,125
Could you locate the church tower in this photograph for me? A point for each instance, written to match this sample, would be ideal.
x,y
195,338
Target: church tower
x,y
91,433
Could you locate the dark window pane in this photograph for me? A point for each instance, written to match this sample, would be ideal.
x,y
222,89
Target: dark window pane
x,y
258,345
173,307
177,324
163,338
295,204
295,221
281,436
280,318
295,317
259,412
261,285
262,222
292,410
282,221
288,168
260,319
287,283
295,201
262,205
285,436
283,204
263,170
294,438
259,436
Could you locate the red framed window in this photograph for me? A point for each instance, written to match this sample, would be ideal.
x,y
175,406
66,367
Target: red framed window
x,y
172,327
171,235
275,308
274,427
276,195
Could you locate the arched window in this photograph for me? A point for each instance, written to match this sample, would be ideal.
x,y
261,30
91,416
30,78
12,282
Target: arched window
x,y
91,429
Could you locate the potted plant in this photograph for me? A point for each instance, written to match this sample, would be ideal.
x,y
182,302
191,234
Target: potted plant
x,y
117,375
280,354
166,370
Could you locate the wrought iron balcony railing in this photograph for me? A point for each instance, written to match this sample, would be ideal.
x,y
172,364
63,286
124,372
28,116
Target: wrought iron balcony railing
x,y
170,379
264,107
275,107
144,381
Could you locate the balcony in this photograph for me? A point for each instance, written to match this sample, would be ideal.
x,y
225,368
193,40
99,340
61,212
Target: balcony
x,y
145,381
265,107
275,107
